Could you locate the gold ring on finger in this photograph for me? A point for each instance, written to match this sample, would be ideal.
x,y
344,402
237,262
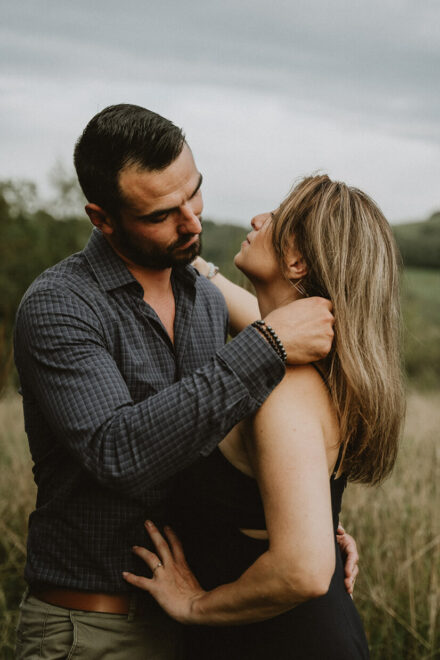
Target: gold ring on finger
x,y
158,565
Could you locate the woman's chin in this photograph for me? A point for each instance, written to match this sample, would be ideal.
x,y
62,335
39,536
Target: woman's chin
x,y
237,260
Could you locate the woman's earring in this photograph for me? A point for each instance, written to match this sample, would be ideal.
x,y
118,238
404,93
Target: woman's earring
x,y
300,288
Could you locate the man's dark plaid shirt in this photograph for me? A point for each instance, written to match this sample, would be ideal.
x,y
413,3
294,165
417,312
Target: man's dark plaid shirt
x,y
113,410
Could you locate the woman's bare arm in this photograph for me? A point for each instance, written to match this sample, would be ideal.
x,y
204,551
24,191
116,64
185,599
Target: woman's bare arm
x,y
289,454
290,461
242,305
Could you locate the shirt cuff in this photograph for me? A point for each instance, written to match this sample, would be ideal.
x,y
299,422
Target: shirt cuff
x,y
254,362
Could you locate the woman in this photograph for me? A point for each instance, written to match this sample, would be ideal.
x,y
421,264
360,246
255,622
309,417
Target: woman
x,y
260,513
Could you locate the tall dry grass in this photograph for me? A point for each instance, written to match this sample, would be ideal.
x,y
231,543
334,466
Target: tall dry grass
x,y
397,527
17,498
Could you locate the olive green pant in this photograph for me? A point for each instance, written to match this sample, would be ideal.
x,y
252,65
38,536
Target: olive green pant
x,y
54,633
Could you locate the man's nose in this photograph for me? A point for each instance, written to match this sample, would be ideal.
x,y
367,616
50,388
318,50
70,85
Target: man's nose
x,y
189,221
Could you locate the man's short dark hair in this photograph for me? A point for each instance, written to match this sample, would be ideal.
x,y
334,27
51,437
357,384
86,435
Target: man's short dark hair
x,y
119,136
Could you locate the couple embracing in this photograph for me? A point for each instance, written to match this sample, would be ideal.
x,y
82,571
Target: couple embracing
x,y
182,480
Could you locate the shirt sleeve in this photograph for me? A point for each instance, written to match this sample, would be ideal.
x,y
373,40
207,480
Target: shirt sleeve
x,y
63,360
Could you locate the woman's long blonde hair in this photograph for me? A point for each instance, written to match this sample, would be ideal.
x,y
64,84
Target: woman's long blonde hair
x,y
352,259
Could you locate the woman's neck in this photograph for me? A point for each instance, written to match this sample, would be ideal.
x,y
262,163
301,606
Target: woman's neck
x,y
274,294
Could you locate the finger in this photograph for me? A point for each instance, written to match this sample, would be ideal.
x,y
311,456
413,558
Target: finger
x,y
160,544
342,544
340,529
352,556
349,584
351,563
351,545
137,581
352,559
151,559
175,545
351,568
326,303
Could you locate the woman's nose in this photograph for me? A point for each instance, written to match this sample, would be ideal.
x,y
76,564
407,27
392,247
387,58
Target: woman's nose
x,y
258,221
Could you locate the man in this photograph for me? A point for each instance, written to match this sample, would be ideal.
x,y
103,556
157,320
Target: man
x,y
125,381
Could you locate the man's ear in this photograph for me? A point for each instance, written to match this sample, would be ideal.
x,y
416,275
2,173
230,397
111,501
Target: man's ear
x,y
100,218
295,265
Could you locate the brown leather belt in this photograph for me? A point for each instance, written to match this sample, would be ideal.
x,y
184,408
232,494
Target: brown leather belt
x,y
89,602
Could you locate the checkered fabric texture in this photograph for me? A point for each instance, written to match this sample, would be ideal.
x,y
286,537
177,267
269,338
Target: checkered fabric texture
x,y
113,410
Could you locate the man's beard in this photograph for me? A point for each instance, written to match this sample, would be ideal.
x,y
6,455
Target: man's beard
x,y
154,257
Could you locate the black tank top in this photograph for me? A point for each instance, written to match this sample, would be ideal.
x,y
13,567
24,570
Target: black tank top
x,y
215,489
212,501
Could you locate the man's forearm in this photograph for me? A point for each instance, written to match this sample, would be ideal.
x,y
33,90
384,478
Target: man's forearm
x,y
145,443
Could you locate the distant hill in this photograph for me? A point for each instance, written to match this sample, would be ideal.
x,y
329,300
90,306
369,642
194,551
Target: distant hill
x,y
419,242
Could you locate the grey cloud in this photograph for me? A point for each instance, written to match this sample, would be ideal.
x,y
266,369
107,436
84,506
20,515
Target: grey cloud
x,y
379,58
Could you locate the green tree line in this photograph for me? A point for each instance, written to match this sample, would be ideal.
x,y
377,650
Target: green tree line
x,y
419,242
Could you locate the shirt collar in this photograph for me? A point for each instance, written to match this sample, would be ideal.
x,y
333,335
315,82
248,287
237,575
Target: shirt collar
x,y
110,270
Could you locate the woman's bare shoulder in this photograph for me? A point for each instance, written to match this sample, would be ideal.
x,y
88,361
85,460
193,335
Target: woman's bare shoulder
x,y
301,385
302,401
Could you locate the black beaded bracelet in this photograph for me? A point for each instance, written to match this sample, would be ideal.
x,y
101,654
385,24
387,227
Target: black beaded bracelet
x,y
269,333
270,340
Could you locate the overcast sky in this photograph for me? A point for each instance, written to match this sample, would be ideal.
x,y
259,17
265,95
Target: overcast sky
x,y
265,91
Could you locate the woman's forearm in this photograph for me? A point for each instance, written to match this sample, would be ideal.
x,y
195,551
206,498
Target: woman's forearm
x,y
265,590
242,305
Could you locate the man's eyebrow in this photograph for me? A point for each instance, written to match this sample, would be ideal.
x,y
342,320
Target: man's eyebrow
x,y
159,212
196,190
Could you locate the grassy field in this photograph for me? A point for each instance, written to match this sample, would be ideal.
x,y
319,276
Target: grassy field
x,y
397,527
17,498
421,315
